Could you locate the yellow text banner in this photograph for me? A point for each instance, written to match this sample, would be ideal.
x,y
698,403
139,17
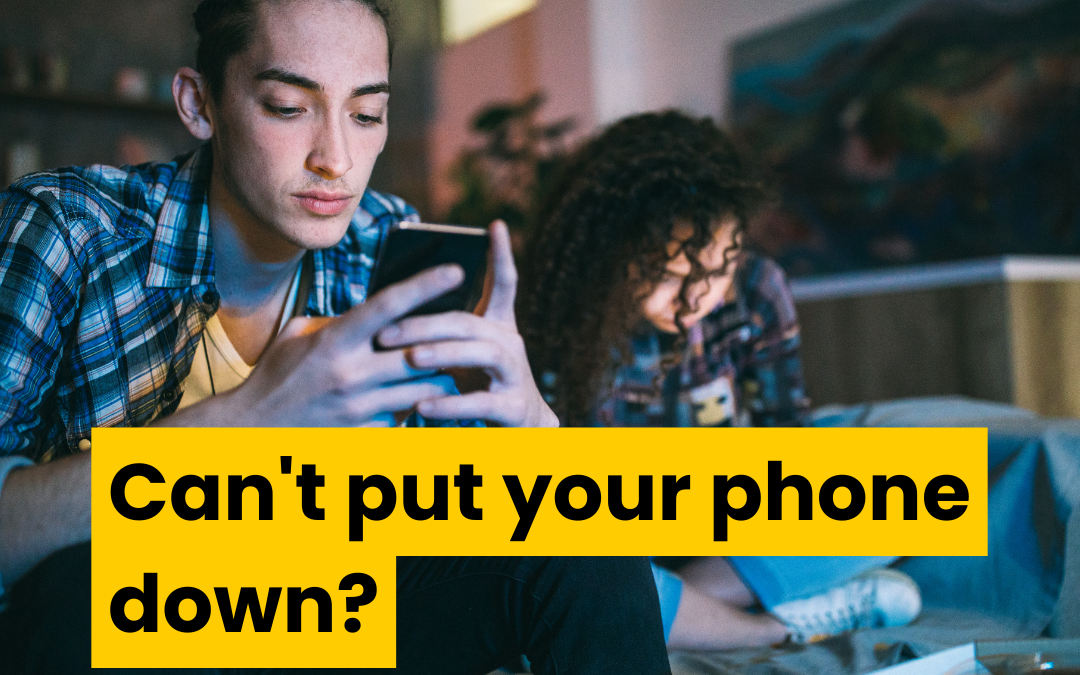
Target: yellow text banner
x,y
276,547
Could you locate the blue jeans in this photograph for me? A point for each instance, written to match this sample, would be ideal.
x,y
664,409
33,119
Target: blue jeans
x,y
773,579
777,579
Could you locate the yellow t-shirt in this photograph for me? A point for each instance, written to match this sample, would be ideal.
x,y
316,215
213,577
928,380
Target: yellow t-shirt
x,y
217,367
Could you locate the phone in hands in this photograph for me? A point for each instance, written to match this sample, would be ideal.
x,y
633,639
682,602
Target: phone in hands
x,y
411,248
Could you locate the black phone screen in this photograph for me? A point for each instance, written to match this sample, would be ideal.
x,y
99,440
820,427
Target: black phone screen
x,y
411,248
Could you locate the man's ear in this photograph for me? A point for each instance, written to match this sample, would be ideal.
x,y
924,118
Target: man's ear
x,y
192,102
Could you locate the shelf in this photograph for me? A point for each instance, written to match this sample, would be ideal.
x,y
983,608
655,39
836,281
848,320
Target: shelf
x,y
85,101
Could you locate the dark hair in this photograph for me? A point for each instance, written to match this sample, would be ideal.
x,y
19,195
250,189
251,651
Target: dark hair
x,y
600,244
225,29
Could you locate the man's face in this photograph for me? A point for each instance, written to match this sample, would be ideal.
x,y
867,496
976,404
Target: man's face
x,y
301,120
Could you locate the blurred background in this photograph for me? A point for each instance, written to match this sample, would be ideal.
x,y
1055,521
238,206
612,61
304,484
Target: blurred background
x,y
927,152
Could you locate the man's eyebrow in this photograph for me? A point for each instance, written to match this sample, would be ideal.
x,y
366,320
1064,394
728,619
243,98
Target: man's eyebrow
x,y
379,88
286,77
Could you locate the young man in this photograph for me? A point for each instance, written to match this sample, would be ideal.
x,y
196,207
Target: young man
x,y
126,293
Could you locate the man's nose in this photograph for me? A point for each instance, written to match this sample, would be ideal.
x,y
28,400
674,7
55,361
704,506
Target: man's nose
x,y
330,157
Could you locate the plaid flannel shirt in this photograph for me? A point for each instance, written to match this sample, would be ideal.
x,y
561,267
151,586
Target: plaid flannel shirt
x,y
106,284
740,365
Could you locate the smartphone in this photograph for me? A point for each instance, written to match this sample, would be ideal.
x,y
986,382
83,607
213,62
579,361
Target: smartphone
x,y
411,248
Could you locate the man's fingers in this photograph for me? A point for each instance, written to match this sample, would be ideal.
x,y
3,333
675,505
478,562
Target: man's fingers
x,y
360,323
448,326
404,396
480,405
384,368
382,420
465,354
500,285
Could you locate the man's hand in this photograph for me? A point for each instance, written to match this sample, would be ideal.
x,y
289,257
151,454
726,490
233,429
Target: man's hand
x,y
324,372
487,340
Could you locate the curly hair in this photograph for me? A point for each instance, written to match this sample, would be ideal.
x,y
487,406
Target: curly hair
x,y
600,244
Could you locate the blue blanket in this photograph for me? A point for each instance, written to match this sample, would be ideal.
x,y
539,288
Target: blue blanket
x,y
1027,585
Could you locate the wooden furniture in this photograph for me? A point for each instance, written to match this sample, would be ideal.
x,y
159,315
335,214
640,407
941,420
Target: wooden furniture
x,y
1004,329
81,102
81,128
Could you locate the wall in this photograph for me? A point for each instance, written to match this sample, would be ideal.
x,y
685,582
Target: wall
x,y
681,49
691,39
403,167
563,54
597,60
546,50
620,41
496,65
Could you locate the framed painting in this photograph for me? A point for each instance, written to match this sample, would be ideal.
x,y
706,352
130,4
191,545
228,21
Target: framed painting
x,y
912,131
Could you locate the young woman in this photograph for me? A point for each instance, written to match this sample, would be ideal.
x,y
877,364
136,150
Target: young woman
x,y
639,306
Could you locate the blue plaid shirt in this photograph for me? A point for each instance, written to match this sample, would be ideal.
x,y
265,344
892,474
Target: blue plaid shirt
x,y
106,284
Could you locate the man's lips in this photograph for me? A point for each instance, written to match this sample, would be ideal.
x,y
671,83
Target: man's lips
x,y
323,203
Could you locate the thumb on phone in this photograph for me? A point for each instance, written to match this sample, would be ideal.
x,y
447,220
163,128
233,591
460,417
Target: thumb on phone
x,y
500,283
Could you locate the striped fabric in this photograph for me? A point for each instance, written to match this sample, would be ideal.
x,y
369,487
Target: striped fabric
x,y
106,283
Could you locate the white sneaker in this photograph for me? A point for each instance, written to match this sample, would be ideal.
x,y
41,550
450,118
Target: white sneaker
x,y
877,598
